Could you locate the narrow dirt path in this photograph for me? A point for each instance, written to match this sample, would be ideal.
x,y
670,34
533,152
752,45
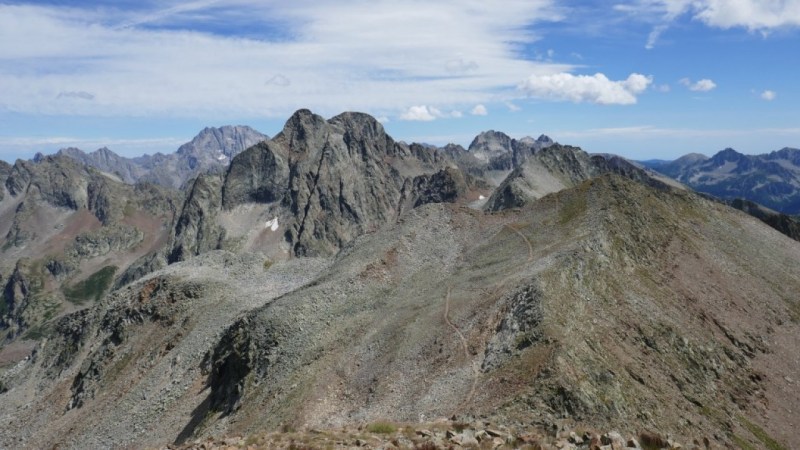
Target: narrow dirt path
x,y
463,339
465,346
524,238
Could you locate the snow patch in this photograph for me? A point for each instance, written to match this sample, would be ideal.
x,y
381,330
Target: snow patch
x,y
480,197
272,224
221,157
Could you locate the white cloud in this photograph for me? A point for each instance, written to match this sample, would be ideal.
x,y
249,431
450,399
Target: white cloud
x,y
479,110
595,88
753,15
652,38
426,113
703,85
663,88
327,56
420,113
768,95
512,107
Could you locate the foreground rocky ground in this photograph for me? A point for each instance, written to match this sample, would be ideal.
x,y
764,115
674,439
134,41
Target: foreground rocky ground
x,y
449,434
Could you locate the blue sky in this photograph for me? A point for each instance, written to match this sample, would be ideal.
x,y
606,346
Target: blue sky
x,y
641,78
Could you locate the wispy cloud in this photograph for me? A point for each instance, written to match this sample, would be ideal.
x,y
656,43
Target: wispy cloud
x,y
83,95
761,16
704,85
328,56
768,95
595,88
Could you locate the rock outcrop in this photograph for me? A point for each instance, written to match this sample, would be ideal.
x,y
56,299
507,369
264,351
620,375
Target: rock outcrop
x,y
549,170
196,230
558,167
5,171
500,152
16,293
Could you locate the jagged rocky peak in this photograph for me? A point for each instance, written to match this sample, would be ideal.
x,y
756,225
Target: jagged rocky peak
x,y
541,142
57,180
727,154
222,143
335,179
490,144
303,131
787,154
500,152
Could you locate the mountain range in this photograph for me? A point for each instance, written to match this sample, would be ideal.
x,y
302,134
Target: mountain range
x,y
210,151
332,276
772,180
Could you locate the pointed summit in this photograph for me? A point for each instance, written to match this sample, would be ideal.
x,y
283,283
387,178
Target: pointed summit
x,y
544,140
490,144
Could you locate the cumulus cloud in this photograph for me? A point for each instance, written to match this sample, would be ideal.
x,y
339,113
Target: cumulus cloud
x,y
424,113
194,60
420,113
703,85
595,88
479,110
753,15
768,95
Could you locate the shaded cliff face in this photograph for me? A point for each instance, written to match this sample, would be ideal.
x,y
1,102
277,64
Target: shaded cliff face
x,y
334,179
196,230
